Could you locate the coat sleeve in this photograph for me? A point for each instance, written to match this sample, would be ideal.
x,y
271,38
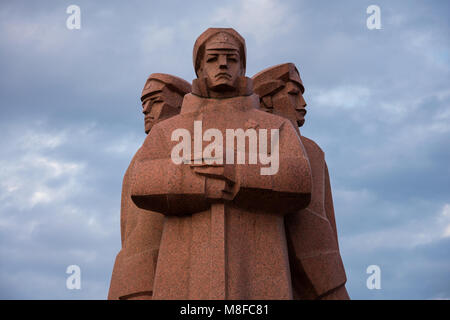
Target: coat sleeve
x,y
287,190
316,266
125,201
329,208
135,265
160,185
123,216
340,292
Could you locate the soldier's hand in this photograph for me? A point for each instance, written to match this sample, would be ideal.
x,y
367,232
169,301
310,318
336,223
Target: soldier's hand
x,y
221,182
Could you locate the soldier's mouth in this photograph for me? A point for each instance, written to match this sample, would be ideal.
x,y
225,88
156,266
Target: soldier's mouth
x,y
302,112
223,75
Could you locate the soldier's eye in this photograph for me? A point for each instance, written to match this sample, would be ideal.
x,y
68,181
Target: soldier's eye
x,y
211,58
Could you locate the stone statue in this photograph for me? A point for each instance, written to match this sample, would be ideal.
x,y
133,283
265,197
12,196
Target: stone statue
x,y
317,271
225,199
223,235
135,264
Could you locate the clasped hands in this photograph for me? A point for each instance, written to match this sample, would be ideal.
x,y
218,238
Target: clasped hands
x,y
222,181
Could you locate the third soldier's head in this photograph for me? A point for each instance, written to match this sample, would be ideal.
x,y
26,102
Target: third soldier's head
x,y
280,89
162,97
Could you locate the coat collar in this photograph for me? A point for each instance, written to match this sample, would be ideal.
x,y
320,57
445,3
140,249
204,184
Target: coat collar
x,y
199,87
198,101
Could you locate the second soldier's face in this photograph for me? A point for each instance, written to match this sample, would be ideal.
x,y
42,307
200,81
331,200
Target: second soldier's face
x,y
157,107
289,103
149,105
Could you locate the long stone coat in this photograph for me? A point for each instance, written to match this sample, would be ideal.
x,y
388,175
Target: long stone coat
x,y
134,268
231,250
316,265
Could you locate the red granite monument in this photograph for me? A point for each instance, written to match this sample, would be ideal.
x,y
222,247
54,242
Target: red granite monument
x,y
225,199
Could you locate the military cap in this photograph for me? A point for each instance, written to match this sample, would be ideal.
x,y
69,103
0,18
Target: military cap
x,y
156,81
199,45
272,78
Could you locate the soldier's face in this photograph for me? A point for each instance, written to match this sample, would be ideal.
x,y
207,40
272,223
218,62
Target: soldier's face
x,y
159,106
221,68
289,103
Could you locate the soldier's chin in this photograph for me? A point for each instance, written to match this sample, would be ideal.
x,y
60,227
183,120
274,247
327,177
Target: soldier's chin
x,y
148,127
300,122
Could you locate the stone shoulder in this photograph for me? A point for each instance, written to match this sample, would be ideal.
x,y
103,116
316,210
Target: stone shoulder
x,y
275,120
133,160
312,147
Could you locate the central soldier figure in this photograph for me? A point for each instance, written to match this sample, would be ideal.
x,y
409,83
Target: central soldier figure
x,y
223,234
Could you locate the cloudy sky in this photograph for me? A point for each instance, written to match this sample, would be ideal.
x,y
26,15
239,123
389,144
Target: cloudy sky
x,y
70,121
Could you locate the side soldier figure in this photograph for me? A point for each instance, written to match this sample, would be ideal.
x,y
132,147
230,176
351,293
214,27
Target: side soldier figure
x,y
317,270
135,265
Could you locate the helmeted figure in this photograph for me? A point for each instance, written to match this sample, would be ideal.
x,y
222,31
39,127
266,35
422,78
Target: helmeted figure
x,y
316,266
223,233
135,264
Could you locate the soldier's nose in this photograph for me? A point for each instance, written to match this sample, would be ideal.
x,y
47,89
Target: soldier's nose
x,y
223,61
145,108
